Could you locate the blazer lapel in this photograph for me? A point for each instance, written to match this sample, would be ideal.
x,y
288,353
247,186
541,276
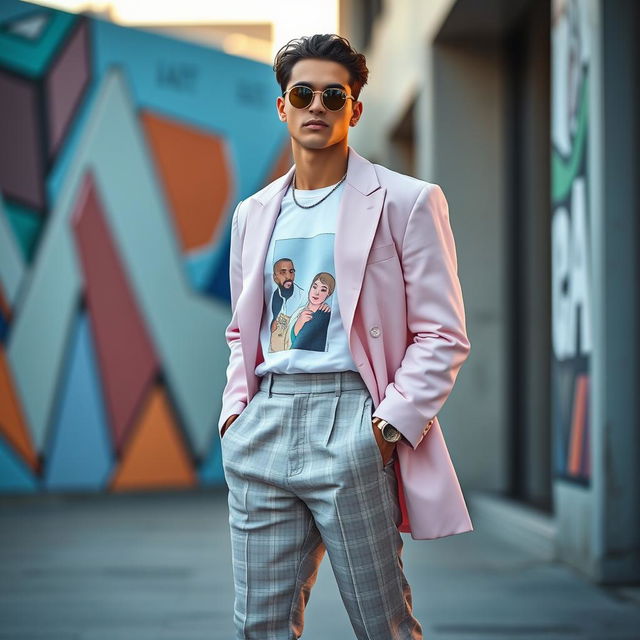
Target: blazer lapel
x,y
261,219
360,210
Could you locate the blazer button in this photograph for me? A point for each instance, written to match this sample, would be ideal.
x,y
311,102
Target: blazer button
x,y
374,331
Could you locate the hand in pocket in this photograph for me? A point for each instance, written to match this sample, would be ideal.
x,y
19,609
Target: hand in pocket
x,y
386,448
230,420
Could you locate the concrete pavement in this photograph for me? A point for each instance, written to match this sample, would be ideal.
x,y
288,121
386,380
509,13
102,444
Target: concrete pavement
x,y
156,566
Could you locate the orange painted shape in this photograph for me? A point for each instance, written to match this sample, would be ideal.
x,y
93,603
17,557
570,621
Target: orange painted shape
x,y
154,456
578,425
193,168
12,422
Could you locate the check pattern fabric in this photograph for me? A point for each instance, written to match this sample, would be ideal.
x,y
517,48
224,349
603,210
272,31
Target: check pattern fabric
x,y
305,476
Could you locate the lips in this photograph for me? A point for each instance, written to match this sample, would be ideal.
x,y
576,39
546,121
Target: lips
x,y
315,123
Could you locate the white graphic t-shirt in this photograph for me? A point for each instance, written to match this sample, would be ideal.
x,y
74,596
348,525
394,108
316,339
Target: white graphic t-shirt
x,y
301,330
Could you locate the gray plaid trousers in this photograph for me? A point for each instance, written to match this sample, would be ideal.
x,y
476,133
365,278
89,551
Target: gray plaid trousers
x,y
305,475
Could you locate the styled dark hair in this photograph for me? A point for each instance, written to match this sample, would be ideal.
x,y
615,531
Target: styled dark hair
x,y
327,46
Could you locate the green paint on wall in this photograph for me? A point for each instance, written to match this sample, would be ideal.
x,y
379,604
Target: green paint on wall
x,y
26,226
564,171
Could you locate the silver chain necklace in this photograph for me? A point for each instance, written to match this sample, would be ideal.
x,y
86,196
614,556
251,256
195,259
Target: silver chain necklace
x,y
315,204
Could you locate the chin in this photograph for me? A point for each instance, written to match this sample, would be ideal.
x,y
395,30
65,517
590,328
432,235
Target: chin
x,y
313,144
312,141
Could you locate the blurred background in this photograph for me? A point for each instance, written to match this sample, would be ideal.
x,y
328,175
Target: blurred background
x,y
129,130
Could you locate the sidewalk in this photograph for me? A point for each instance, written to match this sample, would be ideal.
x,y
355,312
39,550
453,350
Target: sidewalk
x,y
157,567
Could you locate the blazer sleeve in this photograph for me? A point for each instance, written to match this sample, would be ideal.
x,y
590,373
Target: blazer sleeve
x,y
435,318
234,396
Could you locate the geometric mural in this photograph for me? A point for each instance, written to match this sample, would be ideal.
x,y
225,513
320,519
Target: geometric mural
x,y
122,156
126,357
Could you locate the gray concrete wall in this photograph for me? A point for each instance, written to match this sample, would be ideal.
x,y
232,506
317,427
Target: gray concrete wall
x,y
614,550
468,148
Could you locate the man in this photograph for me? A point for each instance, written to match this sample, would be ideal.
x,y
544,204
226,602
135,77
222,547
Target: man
x,y
338,447
287,297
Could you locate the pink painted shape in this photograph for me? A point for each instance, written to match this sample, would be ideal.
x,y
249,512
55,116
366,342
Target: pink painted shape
x,y
65,85
126,355
21,158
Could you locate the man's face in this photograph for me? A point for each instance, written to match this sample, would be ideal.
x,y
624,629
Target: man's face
x,y
284,275
319,74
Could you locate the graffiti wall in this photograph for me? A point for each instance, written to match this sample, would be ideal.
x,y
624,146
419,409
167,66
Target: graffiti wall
x,y
570,233
122,156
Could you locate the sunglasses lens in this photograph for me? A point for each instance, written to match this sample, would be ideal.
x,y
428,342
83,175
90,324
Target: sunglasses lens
x,y
300,97
334,99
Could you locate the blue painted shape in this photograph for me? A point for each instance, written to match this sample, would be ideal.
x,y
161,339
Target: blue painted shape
x,y
210,472
198,266
80,453
4,327
218,285
15,476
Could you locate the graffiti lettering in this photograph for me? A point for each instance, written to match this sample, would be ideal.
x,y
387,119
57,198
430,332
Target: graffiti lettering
x,y
571,285
180,76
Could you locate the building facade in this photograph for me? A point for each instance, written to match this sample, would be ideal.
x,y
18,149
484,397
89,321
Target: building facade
x,y
526,113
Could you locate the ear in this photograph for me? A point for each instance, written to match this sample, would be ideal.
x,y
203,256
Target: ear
x,y
357,113
280,108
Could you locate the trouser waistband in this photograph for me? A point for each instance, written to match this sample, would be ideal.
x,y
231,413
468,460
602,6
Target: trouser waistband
x,y
324,382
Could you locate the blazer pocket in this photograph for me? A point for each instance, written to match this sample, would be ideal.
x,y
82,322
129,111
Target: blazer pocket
x,y
381,252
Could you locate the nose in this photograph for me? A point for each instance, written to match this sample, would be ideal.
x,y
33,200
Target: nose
x,y
316,105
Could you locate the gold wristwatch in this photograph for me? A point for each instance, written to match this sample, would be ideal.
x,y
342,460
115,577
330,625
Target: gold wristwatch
x,y
389,432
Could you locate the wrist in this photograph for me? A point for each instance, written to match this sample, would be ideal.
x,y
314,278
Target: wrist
x,y
389,433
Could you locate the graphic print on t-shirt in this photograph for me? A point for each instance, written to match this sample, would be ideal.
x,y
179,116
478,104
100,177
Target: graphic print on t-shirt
x,y
302,296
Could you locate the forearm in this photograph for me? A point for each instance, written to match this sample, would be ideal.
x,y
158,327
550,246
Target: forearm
x,y
435,317
234,395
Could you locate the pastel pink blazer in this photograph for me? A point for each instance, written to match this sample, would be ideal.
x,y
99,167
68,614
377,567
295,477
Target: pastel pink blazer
x,y
402,308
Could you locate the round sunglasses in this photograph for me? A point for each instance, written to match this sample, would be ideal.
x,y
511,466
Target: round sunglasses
x,y
332,98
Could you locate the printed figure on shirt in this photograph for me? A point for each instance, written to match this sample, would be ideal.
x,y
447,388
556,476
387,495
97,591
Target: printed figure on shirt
x,y
309,323
287,297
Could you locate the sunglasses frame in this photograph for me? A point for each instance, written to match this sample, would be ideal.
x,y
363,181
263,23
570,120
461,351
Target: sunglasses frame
x,y
321,92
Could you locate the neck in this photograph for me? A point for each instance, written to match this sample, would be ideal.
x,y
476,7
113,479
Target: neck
x,y
317,168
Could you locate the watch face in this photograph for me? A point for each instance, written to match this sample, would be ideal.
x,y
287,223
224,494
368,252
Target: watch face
x,y
390,433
